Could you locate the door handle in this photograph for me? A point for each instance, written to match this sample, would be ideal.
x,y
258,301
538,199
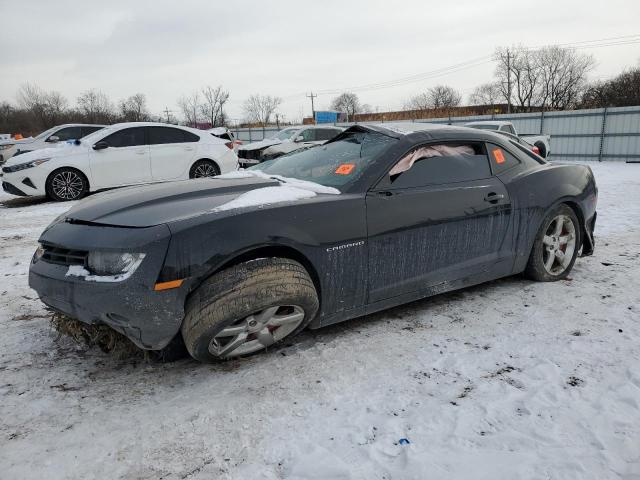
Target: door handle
x,y
494,197
140,152
189,149
384,193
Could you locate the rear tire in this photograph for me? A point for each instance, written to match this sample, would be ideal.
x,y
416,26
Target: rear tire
x,y
247,308
204,169
556,246
66,184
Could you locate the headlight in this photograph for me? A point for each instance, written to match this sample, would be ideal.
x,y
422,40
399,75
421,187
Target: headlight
x,y
110,264
24,166
6,147
38,253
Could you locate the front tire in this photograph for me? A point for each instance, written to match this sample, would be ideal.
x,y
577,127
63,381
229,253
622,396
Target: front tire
x,y
247,308
555,247
66,184
204,169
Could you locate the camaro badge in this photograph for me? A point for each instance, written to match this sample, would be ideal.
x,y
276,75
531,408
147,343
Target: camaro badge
x,y
345,245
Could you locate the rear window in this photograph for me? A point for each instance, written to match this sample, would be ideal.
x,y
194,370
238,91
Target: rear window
x,y
501,159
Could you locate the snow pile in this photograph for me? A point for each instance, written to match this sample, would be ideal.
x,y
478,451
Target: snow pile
x,y
266,196
290,190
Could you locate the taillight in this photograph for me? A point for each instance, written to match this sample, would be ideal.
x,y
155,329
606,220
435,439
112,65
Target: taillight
x,y
535,150
229,145
238,142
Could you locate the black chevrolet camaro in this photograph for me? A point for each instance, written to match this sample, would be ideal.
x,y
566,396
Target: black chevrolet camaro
x,y
379,216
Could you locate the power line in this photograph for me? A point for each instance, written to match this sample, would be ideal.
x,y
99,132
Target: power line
x,y
455,68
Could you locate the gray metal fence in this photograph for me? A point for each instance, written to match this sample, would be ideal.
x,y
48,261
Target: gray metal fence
x,y
601,134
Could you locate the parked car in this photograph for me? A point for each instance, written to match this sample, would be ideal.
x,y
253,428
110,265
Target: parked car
x,y
61,133
116,156
226,134
379,216
541,142
286,141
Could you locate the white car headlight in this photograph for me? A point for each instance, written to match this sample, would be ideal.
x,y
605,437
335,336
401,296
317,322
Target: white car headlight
x,y
23,166
122,265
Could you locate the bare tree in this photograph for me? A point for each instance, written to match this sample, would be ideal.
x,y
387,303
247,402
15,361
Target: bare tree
x,y
134,108
46,107
190,106
212,107
440,96
485,94
563,76
518,76
348,103
621,91
259,108
95,106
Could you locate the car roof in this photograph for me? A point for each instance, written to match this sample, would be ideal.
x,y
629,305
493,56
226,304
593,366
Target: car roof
x,y
421,131
498,123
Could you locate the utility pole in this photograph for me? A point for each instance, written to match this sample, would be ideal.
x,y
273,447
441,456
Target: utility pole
x,y
313,110
167,112
278,121
508,81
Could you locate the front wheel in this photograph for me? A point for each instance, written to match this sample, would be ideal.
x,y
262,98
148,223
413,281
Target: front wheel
x,y
556,246
247,308
203,169
66,184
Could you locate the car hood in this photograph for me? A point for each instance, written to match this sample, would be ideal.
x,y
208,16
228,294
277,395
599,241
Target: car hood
x,y
267,142
161,203
60,150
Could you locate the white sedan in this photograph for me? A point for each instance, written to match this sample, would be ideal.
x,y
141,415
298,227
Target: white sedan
x,y
116,156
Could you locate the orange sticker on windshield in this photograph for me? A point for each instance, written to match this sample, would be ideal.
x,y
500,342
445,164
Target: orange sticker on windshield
x,y
345,169
498,155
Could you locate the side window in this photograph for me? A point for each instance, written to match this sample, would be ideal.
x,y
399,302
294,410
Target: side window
x,y
161,135
190,137
501,160
326,133
128,137
87,130
440,164
68,133
309,135
508,129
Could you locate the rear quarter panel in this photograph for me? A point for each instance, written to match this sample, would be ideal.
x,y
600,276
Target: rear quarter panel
x,y
535,191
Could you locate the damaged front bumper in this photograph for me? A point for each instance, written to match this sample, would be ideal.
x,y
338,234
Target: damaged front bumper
x,y
132,307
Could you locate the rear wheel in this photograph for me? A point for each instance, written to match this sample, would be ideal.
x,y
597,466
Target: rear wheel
x,y
556,246
247,308
66,184
204,168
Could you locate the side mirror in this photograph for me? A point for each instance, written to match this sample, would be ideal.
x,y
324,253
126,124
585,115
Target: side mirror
x,y
53,139
299,138
101,146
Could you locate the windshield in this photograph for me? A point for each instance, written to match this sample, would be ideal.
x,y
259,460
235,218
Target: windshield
x,y
46,133
334,164
285,134
95,136
484,127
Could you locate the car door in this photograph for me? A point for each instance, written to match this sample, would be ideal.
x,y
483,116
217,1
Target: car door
x,y
123,161
172,151
437,216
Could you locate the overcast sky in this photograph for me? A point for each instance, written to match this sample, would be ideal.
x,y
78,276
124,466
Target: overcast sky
x,y
286,48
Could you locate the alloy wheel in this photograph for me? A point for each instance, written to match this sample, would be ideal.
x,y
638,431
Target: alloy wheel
x,y
204,170
559,244
67,185
257,331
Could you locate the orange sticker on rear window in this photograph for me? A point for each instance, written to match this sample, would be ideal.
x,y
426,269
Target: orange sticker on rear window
x,y
345,169
498,155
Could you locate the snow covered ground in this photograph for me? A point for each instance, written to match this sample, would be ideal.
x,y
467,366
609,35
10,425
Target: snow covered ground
x,y
507,380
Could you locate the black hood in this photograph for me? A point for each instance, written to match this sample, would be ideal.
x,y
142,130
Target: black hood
x,y
145,206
